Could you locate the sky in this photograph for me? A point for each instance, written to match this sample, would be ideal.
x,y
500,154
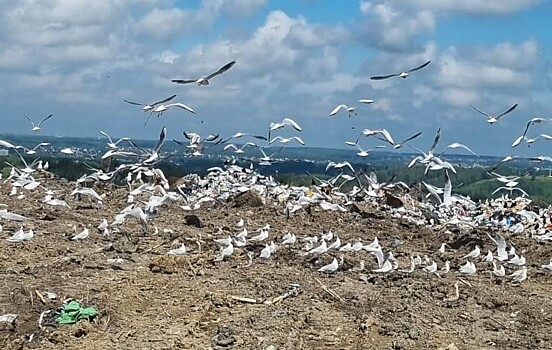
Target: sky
x,y
79,59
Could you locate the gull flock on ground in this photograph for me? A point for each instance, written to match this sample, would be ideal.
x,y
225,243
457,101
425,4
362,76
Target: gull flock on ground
x,y
149,192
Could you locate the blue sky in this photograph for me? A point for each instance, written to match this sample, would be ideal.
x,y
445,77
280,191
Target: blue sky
x,y
78,60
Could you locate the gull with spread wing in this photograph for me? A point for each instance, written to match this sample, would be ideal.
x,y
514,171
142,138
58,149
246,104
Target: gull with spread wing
x,y
403,74
350,110
36,127
491,119
159,109
205,80
146,107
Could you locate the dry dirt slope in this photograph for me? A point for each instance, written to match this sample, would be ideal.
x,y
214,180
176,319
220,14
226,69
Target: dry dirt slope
x,y
153,301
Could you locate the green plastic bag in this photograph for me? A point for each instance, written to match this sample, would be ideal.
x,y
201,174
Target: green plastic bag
x,y
73,312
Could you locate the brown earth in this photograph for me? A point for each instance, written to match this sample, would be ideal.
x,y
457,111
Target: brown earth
x,y
156,301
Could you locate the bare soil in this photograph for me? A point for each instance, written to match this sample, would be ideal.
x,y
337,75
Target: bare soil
x,y
155,301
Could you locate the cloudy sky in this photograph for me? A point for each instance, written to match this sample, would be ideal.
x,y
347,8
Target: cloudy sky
x,y
79,59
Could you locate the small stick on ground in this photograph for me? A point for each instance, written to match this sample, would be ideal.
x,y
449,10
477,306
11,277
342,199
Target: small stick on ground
x,y
330,292
465,282
244,300
162,243
40,296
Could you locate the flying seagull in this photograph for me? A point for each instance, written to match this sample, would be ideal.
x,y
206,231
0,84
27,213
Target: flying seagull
x,y
350,110
401,74
36,127
400,144
492,119
523,137
205,80
159,109
150,106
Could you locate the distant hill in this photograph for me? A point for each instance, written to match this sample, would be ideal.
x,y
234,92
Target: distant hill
x,y
539,189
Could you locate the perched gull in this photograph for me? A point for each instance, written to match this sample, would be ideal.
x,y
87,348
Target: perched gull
x,y
268,250
386,267
500,242
330,268
36,127
289,238
20,236
104,227
498,271
178,251
205,80
442,248
431,268
322,248
548,266
240,223
225,252
82,235
263,234
519,275
445,269
401,74
492,119
468,268
489,257
473,254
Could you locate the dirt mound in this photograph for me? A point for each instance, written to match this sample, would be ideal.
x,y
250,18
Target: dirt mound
x,y
148,299
246,199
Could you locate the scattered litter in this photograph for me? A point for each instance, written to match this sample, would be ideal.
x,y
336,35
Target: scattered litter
x,y
8,318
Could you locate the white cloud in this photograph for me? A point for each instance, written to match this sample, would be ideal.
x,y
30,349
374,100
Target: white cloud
x,y
508,55
57,22
504,65
337,83
282,46
487,7
243,8
166,57
393,29
459,97
466,73
393,25
423,94
164,24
